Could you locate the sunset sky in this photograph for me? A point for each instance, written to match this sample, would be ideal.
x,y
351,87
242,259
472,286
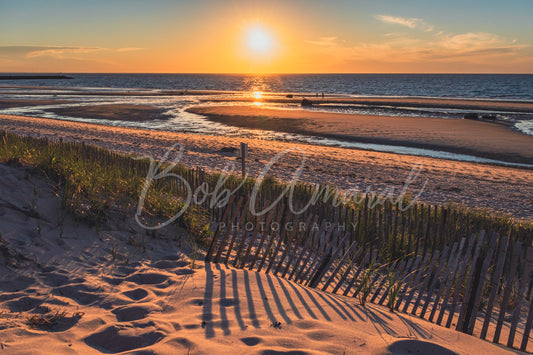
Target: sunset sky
x,y
337,36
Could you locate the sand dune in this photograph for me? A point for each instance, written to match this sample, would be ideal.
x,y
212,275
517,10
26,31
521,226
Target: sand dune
x,y
63,293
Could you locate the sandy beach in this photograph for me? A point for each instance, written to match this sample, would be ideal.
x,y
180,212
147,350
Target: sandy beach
x,y
152,301
266,177
498,188
485,139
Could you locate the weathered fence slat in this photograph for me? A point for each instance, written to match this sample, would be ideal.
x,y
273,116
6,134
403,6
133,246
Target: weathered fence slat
x,y
403,265
304,250
222,245
453,277
407,281
271,241
527,328
478,292
359,269
264,235
324,250
242,218
288,247
313,255
271,214
214,241
461,277
416,282
382,283
469,281
300,276
298,242
524,279
240,259
339,266
445,259
507,293
349,269
421,289
326,262
449,275
494,285
281,237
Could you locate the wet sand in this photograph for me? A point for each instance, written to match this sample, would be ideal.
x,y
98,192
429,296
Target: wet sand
x,y
497,188
483,139
117,112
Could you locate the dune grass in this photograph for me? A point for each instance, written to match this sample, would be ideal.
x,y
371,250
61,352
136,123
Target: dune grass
x,y
94,183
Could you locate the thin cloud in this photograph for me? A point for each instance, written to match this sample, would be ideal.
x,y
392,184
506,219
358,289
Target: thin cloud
x,y
471,47
129,49
411,22
39,51
324,41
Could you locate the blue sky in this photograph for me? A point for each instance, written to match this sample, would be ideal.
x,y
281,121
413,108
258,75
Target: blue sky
x,y
310,36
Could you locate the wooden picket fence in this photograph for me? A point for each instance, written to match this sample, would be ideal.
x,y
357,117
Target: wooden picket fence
x,y
479,285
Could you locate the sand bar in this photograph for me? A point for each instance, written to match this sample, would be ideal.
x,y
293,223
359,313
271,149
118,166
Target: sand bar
x,y
484,139
120,112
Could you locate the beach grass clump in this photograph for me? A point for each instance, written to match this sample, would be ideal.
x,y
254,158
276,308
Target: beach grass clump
x,y
92,182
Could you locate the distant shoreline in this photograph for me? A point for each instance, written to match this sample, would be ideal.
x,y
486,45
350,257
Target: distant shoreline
x,y
33,77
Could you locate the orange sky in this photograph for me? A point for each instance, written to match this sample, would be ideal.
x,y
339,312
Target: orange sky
x,y
304,37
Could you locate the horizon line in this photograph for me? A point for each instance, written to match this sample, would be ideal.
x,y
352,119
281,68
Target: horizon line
x,y
278,73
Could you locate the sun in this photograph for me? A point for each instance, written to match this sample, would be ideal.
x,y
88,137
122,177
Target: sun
x,y
259,40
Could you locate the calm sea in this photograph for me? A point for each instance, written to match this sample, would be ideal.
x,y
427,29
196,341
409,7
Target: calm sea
x,y
486,86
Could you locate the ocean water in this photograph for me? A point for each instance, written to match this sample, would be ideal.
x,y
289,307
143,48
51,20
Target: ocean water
x,y
462,86
484,86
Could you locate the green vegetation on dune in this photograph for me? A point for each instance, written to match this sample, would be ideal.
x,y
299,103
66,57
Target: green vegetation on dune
x,y
95,183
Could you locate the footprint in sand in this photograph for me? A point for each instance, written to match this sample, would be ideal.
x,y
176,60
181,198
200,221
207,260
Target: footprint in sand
x,y
319,335
136,312
115,281
169,264
80,293
125,270
10,296
187,271
196,301
251,341
55,279
417,347
151,278
24,304
184,342
136,295
17,284
119,338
